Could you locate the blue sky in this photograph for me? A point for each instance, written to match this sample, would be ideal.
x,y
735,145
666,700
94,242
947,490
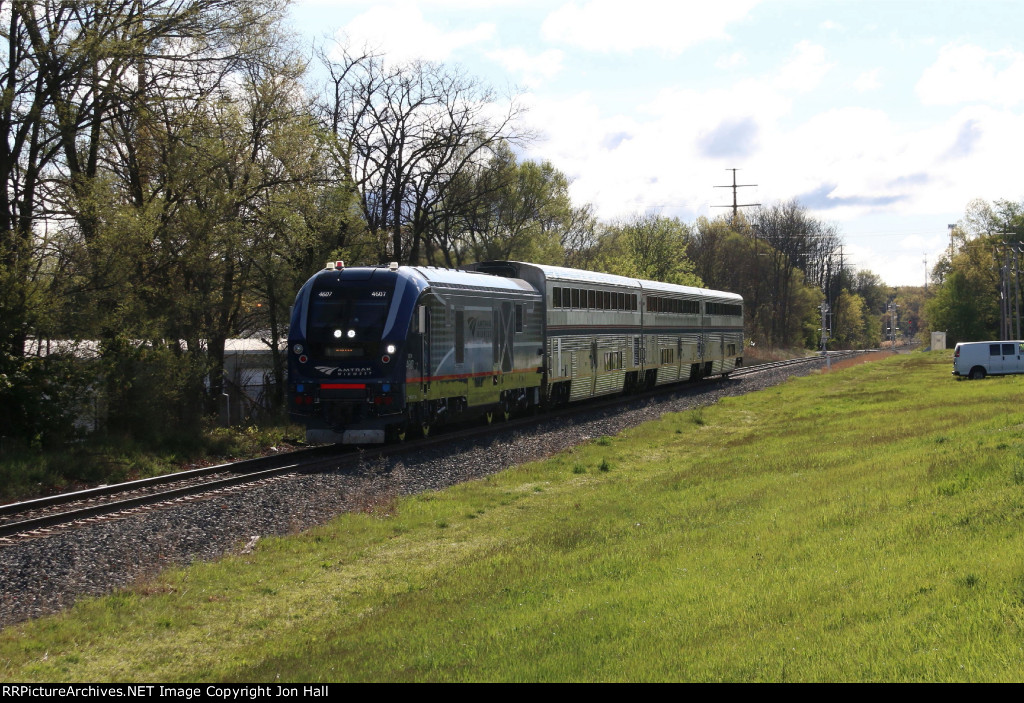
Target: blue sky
x,y
884,118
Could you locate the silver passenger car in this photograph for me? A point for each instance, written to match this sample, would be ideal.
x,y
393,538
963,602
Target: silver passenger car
x,y
605,334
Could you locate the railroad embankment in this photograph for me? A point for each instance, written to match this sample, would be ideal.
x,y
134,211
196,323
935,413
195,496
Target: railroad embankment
x,y
857,525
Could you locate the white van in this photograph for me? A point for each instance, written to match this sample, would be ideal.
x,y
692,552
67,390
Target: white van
x,y
980,359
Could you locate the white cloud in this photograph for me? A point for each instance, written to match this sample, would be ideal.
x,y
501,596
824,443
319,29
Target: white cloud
x,y
920,243
673,148
666,25
533,68
736,58
867,81
964,73
401,32
805,70
843,163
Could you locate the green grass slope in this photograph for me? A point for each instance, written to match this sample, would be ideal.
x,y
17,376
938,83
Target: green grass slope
x,y
863,524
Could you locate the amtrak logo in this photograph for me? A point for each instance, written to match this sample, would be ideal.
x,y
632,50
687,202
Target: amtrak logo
x,y
335,371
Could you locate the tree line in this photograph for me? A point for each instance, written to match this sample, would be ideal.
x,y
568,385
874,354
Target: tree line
x,y
976,283
175,169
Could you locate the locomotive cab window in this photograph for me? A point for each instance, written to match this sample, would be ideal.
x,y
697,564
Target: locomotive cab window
x,y
347,321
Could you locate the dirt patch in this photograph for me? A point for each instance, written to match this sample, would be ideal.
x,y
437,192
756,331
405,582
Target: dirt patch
x,y
863,359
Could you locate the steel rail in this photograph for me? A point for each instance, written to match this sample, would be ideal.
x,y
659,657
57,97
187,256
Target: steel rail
x,y
304,461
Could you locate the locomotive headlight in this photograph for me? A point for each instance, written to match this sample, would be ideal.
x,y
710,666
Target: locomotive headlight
x,y
391,349
337,334
298,349
351,334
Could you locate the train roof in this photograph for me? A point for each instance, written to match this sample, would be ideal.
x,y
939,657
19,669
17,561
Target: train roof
x,y
457,278
689,290
561,273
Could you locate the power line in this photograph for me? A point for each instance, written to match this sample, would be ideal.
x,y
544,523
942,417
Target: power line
x,y
734,186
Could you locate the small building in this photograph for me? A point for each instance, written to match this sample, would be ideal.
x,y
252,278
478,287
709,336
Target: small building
x,y
248,380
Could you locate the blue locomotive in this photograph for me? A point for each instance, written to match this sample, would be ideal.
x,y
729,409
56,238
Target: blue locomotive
x,y
377,352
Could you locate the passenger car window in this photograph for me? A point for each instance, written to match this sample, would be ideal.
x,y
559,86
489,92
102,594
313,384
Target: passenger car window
x,y
1008,350
460,337
993,350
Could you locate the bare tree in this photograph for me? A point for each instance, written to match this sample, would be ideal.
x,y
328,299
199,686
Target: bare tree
x,y
801,248
407,133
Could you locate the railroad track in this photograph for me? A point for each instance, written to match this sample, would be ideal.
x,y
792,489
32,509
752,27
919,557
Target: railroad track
x,y
36,516
40,517
832,356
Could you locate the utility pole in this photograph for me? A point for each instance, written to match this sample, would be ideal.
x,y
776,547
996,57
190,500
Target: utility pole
x,y
1009,291
735,206
1017,287
893,323
1002,254
839,288
824,333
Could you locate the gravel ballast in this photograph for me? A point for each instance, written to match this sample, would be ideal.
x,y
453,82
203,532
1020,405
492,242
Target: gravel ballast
x,y
49,573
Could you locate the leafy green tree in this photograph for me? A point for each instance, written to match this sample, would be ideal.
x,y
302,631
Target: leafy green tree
x,y
647,246
910,301
966,282
872,289
855,325
781,308
964,307
504,209
83,84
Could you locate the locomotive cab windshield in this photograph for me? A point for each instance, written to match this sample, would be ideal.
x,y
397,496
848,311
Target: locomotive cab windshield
x,y
347,321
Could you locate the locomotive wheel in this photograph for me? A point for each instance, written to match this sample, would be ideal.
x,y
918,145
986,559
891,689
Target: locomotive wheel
x,y
425,429
396,433
503,413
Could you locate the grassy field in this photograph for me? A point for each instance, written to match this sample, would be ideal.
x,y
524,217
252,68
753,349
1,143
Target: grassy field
x,y
859,525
